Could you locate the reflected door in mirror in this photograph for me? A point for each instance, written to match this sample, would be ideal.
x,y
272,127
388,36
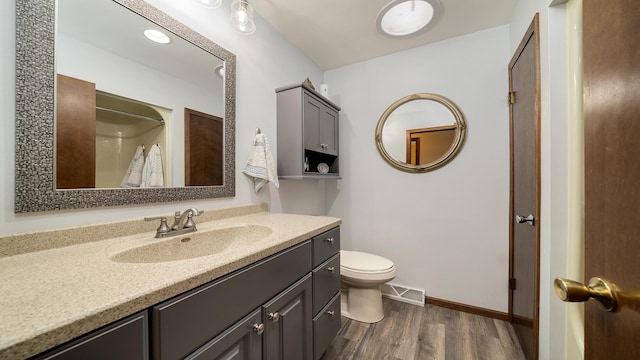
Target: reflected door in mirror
x,y
76,133
427,145
203,149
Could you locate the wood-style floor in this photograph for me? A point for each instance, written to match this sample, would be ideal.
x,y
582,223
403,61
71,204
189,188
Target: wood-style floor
x,y
410,332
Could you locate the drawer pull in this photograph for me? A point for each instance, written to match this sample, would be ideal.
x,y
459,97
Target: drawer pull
x,y
329,240
331,269
330,313
258,328
274,316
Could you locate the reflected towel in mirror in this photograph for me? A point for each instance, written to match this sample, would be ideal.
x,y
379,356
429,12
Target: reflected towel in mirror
x,y
261,165
152,175
133,176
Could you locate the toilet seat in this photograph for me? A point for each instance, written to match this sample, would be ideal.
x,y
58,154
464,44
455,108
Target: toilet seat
x,y
358,266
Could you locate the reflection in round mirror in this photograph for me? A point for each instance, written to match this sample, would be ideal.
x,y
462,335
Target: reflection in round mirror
x,y
420,132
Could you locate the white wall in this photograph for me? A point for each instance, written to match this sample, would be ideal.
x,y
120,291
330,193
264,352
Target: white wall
x,y
265,61
446,230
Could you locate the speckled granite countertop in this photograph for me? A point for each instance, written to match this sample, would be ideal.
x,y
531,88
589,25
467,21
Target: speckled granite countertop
x,y
51,296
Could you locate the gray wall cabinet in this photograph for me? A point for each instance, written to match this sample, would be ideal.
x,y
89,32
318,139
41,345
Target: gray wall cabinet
x,y
286,306
308,133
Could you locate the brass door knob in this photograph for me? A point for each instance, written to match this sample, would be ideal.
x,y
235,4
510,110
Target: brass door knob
x,y
598,289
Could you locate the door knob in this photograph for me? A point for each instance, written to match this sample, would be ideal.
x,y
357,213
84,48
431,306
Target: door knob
x,y
530,219
600,290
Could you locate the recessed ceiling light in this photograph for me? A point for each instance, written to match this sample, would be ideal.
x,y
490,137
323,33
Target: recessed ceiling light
x,y
402,18
219,71
210,3
157,36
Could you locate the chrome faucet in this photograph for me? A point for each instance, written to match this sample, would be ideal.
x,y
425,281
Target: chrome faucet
x,y
180,226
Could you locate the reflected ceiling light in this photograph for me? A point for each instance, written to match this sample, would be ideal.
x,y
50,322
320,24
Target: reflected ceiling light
x,y
402,18
219,71
242,16
157,36
213,4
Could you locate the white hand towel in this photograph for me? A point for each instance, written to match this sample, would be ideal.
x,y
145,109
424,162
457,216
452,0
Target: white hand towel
x,y
133,176
261,165
152,172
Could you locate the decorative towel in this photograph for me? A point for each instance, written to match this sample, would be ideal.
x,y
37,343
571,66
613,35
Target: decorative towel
x,y
133,176
152,172
260,164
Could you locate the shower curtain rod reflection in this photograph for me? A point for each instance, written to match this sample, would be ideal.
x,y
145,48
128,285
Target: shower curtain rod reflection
x,y
129,114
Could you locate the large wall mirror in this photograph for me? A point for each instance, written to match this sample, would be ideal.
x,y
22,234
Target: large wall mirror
x,y
90,57
420,132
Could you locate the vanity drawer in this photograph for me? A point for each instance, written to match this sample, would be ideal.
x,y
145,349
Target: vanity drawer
x,y
325,245
124,339
326,282
325,326
182,324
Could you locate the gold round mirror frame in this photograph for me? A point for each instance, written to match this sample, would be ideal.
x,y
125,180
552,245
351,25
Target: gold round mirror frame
x,y
456,145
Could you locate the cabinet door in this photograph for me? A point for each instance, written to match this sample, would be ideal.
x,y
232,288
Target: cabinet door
x,y
288,323
312,119
126,339
243,341
329,130
320,125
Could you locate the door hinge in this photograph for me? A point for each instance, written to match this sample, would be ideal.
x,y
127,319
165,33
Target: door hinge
x,y
512,283
512,97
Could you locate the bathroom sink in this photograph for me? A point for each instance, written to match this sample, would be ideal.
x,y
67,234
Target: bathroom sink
x,y
194,245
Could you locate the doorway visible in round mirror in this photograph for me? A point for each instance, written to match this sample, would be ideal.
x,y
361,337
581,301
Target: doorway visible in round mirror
x,y
420,132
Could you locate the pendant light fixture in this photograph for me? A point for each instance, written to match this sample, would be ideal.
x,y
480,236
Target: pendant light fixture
x,y
403,18
242,16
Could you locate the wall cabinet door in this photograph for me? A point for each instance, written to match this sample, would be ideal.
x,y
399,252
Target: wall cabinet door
x,y
243,341
320,126
288,323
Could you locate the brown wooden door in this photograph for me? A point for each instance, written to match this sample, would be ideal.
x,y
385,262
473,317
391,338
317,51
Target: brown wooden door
x,y
612,172
525,191
75,133
204,141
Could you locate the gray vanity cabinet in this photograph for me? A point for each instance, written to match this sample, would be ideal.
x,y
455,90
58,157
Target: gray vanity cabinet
x,y
185,323
285,307
307,133
240,342
288,327
326,289
126,339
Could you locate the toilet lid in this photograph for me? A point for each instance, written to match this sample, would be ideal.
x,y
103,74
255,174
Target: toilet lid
x,y
364,262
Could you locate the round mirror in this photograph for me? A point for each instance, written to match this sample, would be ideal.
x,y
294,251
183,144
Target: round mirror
x,y
420,132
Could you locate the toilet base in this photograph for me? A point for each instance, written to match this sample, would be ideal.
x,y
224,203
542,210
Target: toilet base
x,y
362,304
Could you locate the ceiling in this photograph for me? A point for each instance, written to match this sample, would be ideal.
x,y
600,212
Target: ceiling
x,y
335,33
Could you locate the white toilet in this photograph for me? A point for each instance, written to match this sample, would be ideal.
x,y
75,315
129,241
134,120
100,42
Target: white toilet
x,y
361,275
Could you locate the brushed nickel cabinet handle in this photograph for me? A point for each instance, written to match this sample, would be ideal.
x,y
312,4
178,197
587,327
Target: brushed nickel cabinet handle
x,y
274,316
258,328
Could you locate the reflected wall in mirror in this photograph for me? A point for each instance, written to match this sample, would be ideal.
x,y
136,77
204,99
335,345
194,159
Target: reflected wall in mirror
x,y
152,83
420,132
103,43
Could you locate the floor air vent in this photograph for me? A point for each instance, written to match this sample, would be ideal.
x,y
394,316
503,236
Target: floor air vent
x,y
403,293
